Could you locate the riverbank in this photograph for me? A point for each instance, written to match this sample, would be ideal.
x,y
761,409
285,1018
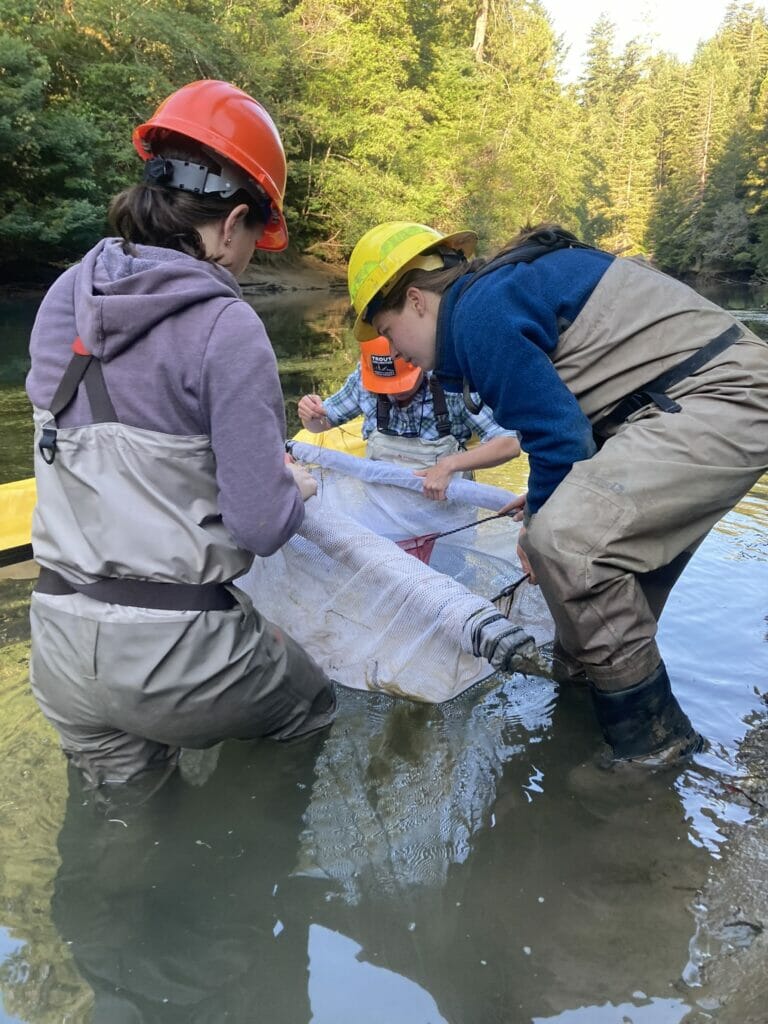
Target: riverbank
x,y
292,274
266,275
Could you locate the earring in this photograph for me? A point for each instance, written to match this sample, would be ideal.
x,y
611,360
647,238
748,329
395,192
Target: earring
x,y
227,241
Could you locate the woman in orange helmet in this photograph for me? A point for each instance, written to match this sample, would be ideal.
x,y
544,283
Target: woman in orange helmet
x,y
151,379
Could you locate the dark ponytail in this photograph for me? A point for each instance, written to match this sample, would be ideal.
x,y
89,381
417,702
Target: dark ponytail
x,y
530,232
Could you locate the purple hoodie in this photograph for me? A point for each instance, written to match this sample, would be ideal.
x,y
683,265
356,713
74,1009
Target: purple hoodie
x,y
182,353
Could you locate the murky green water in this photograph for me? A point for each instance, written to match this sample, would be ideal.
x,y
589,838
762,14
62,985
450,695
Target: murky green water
x,y
462,863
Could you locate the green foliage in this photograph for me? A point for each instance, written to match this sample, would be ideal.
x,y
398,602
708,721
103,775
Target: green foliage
x,y
706,217
50,205
447,111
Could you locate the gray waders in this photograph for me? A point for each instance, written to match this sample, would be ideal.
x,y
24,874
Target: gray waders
x,y
414,452
141,644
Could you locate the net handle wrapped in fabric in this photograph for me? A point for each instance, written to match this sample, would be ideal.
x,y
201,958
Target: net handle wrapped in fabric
x,y
469,492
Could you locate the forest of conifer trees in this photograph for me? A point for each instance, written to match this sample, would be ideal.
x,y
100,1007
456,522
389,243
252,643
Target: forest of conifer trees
x,y
450,112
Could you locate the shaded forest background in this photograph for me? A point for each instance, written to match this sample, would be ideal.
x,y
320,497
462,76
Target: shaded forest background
x,y
450,112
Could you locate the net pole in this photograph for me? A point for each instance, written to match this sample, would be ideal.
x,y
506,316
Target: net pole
x,y
465,491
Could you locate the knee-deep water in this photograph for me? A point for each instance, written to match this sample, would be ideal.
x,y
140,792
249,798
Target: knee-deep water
x,y
464,863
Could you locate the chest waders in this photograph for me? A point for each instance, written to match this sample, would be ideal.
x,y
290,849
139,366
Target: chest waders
x,y
640,718
414,452
86,369
140,644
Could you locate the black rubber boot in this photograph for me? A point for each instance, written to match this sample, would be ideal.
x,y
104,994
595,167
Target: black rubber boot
x,y
644,724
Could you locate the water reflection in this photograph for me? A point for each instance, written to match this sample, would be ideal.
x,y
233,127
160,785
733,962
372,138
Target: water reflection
x,y
403,788
183,908
343,987
655,1011
313,342
368,874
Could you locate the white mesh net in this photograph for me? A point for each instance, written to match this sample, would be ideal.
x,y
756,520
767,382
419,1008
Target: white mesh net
x,y
376,617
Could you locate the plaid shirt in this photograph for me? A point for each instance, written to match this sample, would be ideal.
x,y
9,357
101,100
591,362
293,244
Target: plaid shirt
x,y
417,419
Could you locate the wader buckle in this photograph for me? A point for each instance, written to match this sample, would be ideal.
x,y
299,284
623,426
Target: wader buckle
x,y
47,445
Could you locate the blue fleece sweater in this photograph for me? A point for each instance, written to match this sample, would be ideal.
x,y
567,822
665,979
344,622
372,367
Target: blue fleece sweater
x,y
500,336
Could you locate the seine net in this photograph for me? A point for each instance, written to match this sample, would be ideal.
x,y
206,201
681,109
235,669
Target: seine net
x,y
376,617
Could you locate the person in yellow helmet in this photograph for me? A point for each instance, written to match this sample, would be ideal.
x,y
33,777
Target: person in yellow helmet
x,y
643,409
151,379
410,420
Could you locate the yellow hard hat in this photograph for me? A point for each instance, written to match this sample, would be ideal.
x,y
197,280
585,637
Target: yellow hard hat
x,y
388,251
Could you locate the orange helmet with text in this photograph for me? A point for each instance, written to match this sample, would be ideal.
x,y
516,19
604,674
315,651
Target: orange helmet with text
x,y
238,129
385,374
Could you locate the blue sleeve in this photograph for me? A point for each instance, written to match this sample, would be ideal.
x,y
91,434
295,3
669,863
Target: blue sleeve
x,y
504,331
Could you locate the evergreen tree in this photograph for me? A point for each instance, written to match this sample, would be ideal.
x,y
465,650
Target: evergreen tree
x,y
451,112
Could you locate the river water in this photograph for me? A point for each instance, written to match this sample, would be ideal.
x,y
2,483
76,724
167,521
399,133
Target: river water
x,y
462,863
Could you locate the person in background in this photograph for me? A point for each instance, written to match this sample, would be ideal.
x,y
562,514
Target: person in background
x,y
408,418
643,409
160,460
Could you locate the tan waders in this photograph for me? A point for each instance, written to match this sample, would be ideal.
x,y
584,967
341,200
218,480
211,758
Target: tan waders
x,y
610,542
414,452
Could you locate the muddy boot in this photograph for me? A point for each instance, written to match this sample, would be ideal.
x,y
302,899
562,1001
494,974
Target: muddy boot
x,y
644,725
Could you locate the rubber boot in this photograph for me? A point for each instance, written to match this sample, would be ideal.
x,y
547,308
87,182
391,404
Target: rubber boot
x,y
644,724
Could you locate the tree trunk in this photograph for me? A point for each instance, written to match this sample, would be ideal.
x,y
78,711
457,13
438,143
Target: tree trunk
x,y
481,26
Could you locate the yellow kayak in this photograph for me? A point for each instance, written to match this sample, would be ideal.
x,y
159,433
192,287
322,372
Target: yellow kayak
x,y
17,500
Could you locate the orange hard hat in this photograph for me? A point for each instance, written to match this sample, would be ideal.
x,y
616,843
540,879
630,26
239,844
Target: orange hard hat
x,y
237,128
383,373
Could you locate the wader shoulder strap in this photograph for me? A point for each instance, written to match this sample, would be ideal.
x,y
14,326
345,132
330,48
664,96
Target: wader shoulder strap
x,y
442,416
540,244
85,368
382,413
203,597
655,391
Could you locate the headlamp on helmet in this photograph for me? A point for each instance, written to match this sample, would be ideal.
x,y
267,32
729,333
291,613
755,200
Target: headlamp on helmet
x,y
239,132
